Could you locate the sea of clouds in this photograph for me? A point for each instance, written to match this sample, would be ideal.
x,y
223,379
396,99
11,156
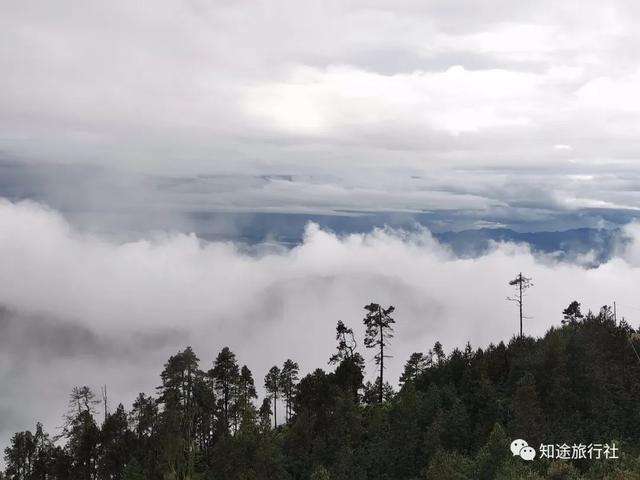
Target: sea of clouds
x,y
78,308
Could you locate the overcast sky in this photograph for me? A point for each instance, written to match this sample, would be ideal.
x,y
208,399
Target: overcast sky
x,y
120,117
512,109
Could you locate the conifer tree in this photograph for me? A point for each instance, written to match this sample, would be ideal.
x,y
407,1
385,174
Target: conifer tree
x,y
81,432
116,441
264,413
349,372
414,367
288,379
19,456
378,333
177,395
272,385
226,374
526,414
346,344
572,314
246,393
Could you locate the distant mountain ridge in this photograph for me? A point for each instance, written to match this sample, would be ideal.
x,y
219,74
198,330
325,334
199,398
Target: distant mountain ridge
x,y
288,230
567,244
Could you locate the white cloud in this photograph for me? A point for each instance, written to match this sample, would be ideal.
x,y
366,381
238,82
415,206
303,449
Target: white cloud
x,y
326,101
396,105
612,94
191,87
266,306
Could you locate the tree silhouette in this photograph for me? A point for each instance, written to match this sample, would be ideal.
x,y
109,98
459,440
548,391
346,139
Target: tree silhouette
x,y
246,394
416,364
521,284
288,380
572,314
225,374
264,413
454,416
180,377
272,386
378,333
346,343
438,352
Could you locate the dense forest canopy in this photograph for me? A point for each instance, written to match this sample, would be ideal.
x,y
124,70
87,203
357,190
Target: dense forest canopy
x,y
453,417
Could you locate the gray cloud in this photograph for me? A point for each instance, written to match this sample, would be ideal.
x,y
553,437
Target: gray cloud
x,y
198,87
82,308
130,115
248,206
42,356
45,339
137,122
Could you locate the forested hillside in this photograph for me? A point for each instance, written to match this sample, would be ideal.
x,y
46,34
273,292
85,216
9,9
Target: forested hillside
x,y
453,416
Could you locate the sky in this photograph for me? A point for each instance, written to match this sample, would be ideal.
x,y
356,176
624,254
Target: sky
x,y
508,111
138,139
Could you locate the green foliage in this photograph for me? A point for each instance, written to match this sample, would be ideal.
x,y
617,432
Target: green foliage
x,y
320,473
449,465
453,417
493,455
225,375
273,387
287,383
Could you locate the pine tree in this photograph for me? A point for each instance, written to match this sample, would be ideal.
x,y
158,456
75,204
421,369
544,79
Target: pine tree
x,y
346,344
349,372
177,395
19,456
246,395
272,385
572,314
82,433
526,414
414,367
44,453
116,441
437,352
265,414
378,333
288,380
226,374
144,422
450,466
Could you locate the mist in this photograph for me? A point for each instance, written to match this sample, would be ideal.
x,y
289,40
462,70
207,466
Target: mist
x,y
78,308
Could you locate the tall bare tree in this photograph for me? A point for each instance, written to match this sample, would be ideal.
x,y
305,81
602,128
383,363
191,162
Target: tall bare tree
x,y
521,284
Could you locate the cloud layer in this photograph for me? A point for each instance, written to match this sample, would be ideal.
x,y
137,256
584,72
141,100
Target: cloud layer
x,y
142,116
83,309
383,105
